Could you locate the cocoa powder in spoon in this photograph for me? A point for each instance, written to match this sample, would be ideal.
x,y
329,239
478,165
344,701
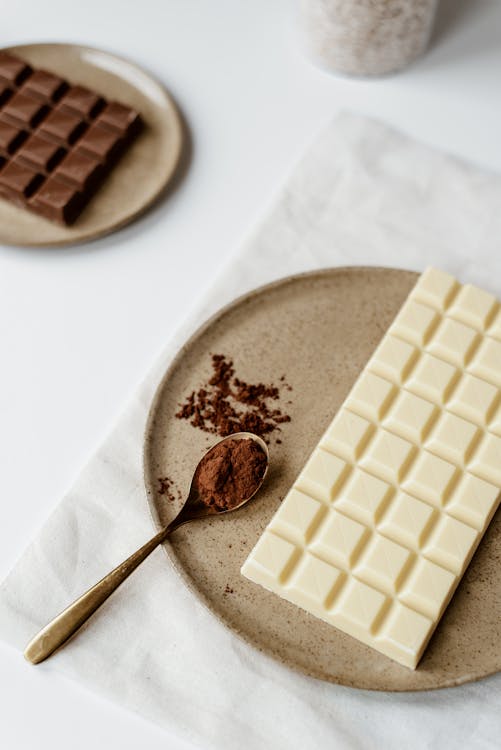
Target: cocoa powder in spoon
x,y
230,473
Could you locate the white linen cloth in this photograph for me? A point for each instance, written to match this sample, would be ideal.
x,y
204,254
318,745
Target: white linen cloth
x,y
362,194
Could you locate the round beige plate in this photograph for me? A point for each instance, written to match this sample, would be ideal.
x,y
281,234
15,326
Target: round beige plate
x,y
144,170
319,330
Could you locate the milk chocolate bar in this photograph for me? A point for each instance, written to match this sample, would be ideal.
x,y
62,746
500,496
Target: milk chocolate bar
x,y
57,141
383,520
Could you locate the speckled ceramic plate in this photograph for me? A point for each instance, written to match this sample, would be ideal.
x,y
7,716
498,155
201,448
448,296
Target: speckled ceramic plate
x,y
319,330
143,172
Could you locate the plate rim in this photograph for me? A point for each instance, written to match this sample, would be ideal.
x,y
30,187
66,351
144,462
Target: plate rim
x,y
179,143
148,484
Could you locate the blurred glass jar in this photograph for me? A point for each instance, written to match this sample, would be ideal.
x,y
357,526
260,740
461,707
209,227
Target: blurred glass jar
x,y
367,37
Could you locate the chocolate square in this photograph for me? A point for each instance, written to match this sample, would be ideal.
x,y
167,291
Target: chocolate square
x,y
81,101
102,143
11,137
19,181
12,69
80,170
41,153
24,110
5,92
45,86
118,117
57,201
63,127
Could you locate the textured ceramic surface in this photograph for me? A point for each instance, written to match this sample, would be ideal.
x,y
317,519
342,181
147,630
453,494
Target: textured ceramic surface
x,y
319,330
145,169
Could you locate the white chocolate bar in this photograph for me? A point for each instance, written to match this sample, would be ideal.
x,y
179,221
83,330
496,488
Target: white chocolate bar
x,y
383,520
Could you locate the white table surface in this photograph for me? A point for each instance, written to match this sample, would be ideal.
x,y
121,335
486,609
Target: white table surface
x,y
80,327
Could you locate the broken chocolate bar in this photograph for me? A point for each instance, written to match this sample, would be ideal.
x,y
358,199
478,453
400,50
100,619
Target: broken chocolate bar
x,y
57,141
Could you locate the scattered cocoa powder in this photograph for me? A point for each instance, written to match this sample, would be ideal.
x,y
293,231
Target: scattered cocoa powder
x,y
228,589
230,473
226,404
166,487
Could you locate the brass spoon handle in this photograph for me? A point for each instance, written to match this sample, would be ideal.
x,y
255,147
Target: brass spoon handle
x,y
62,627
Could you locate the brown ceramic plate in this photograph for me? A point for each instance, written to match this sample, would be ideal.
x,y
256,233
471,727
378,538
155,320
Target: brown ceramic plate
x,y
144,171
318,329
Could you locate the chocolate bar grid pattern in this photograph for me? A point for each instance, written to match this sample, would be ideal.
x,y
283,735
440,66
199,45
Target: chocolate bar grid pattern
x,y
57,142
382,522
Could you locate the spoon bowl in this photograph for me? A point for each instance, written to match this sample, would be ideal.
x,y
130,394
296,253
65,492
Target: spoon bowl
x,y
194,507
68,622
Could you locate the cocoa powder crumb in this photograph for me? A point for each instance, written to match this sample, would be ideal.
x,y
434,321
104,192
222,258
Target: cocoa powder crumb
x,y
227,404
166,488
230,473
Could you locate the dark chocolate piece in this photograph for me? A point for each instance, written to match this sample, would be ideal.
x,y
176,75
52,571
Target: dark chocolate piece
x,y
24,110
101,143
57,201
57,142
83,102
45,86
41,153
19,181
80,171
12,69
120,118
11,137
62,127
5,92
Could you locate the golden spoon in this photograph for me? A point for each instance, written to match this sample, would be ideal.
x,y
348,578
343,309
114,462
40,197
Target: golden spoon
x,y
66,624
